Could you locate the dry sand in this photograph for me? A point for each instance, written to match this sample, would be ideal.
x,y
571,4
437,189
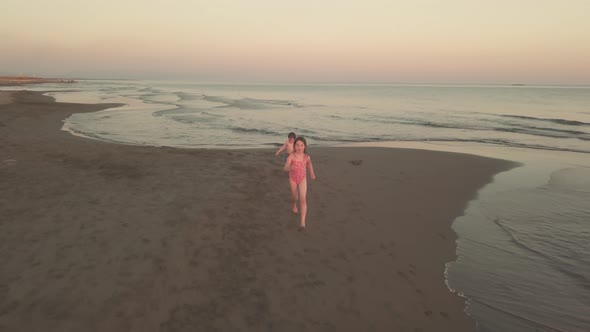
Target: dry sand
x,y
104,237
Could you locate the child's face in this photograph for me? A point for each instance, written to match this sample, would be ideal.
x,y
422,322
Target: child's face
x,y
291,140
299,146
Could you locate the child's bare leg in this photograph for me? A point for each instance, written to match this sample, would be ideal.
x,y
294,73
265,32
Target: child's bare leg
x,y
294,196
303,201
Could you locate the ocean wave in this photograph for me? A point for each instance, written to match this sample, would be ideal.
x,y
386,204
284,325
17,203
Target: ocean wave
x,y
347,138
274,102
556,263
251,103
94,136
480,243
504,143
254,131
516,316
416,122
176,111
511,128
559,121
547,132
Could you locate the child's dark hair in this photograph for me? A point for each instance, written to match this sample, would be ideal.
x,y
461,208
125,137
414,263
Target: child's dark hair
x,y
302,139
292,135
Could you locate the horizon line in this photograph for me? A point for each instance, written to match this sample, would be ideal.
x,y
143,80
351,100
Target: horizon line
x,y
274,82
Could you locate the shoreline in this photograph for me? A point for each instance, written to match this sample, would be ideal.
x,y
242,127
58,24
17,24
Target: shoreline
x,y
24,80
170,239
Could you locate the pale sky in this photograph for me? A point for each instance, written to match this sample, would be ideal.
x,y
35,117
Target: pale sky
x,y
417,41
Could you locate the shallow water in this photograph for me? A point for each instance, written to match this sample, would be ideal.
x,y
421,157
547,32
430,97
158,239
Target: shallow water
x,y
524,243
203,115
524,247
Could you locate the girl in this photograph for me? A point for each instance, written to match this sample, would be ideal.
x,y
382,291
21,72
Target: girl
x,y
296,165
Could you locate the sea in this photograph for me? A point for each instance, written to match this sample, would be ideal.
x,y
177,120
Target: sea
x,y
523,248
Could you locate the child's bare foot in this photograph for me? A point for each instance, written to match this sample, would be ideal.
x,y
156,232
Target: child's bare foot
x,y
301,228
295,210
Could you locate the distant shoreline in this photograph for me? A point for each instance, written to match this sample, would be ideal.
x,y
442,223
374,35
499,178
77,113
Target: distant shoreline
x,y
23,80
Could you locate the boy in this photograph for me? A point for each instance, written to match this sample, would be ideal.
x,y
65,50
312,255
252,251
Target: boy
x,y
288,144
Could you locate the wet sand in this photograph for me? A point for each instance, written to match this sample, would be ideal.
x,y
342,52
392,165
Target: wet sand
x,y
105,237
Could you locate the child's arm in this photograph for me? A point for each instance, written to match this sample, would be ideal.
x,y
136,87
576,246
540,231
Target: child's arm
x,y
311,172
287,166
281,149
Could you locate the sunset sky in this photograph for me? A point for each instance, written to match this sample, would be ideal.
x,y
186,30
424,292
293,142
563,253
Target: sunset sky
x,y
419,41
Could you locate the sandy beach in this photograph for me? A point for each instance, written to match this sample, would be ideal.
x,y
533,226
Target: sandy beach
x,y
5,98
106,237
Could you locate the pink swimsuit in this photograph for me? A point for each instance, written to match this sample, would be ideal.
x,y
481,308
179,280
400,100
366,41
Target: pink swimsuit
x,y
299,169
